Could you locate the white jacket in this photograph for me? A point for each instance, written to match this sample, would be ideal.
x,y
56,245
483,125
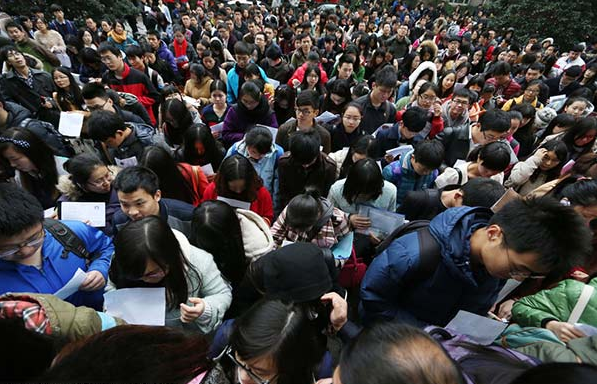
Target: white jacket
x,y
257,237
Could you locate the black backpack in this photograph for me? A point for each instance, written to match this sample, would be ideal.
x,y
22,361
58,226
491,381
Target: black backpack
x,y
68,239
429,250
50,135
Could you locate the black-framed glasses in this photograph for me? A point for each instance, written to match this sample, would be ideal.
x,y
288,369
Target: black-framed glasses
x,y
92,108
514,273
229,352
34,242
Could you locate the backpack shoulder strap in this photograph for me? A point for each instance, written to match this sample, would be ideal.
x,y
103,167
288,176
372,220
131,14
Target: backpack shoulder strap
x,y
429,253
67,238
581,304
459,175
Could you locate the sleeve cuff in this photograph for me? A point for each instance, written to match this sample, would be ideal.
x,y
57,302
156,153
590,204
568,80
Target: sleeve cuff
x,y
547,320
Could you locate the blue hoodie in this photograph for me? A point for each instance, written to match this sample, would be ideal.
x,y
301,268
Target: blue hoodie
x,y
438,298
57,271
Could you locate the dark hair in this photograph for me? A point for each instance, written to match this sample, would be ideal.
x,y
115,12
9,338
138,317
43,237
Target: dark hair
x,y
582,127
494,156
102,125
535,226
303,211
179,122
172,183
217,85
558,373
250,89
73,95
364,178
386,77
581,193
481,192
150,238
399,354
131,179
19,210
216,229
449,91
241,48
131,353
109,47
304,146
430,154
571,100
561,151
338,87
134,51
415,119
365,145
38,152
238,167
201,133
80,168
93,90
562,120
501,68
308,98
284,332
427,85
259,138
495,120
466,93
319,89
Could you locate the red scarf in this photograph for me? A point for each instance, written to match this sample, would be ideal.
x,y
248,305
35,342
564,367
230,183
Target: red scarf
x,y
180,49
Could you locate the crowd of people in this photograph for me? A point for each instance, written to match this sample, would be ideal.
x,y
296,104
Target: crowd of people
x,y
318,190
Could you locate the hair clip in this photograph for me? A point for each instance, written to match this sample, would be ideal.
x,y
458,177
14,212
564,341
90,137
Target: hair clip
x,y
18,143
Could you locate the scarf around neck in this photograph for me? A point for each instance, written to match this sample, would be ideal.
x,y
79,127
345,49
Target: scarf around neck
x,y
180,49
117,37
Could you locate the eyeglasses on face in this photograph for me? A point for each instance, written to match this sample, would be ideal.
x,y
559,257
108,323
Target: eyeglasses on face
x,y
256,378
33,242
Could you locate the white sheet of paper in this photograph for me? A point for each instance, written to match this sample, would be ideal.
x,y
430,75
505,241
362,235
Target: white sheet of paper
x,y
208,170
235,203
326,117
194,102
95,213
60,165
587,329
128,162
481,329
48,213
217,127
274,82
510,285
72,286
70,124
139,306
286,242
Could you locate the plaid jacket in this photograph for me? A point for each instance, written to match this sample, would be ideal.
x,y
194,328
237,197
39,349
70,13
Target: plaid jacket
x,y
402,174
327,236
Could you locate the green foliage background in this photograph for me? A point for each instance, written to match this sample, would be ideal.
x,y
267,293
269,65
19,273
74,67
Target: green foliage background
x,y
568,22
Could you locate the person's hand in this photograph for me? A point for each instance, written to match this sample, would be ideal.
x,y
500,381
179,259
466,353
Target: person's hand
x,y
94,281
216,134
539,153
505,311
211,178
189,313
295,83
389,158
580,276
360,222
437,108
374,239
339,314
564,331
329,380
185,65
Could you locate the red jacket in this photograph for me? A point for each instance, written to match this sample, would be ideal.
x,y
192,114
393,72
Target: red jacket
x,y
262,205
196,179
437,123
299,74
509,91
136,83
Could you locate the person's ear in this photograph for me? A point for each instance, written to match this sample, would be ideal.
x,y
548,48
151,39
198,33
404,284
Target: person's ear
x,y
158,195
458,198
494,233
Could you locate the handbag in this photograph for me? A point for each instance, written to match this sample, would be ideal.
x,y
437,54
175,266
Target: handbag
x,y
352,272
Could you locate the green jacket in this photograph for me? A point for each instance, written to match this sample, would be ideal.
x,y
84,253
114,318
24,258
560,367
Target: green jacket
x,y
579,350
66,320
556,303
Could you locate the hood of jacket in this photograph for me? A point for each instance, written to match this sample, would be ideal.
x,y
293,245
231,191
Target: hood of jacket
x,y
453,229
257,237
448,121
70,190
423,66
16,114
327,210
241,147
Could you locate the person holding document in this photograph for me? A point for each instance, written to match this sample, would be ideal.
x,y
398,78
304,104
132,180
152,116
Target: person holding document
x,y
33,259
238,180
150,254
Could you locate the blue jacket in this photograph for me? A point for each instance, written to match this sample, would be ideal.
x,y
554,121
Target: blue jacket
x,y
56,271
402,174
438,298
266,168
233,87
176,213
165,54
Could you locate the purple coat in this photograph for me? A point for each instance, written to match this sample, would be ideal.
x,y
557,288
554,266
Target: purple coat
x,y
239,119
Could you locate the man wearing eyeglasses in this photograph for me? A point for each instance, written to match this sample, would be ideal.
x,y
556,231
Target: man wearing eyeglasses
x,y
32,259
460,137
96,98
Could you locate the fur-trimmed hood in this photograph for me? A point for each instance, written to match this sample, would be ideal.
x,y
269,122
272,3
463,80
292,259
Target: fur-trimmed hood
x,y
71,191
257,237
